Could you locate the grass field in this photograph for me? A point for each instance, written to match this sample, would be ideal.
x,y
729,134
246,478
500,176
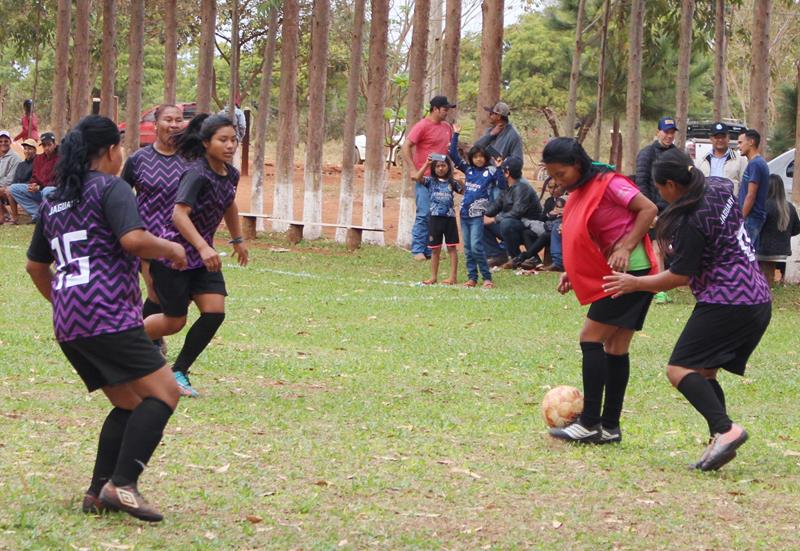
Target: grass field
x,y
345,408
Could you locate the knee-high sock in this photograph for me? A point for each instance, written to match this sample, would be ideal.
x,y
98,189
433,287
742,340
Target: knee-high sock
x,y
197,339
142,434
108,448
720,396
700,394
594,379
619,369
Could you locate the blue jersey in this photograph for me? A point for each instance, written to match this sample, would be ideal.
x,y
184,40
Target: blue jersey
x,y
442,203
757,171
478,183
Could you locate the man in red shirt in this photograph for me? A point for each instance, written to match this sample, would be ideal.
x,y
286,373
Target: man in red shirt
x,y
42,183
430,135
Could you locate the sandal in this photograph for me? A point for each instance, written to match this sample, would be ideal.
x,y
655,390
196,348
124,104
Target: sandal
x,y
429,282
449,282
470,283
488,284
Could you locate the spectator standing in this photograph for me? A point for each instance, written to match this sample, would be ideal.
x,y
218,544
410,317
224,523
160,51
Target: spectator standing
x,y
430,135
42,181
755,186
502,137
723,162
29,122
504,216
8,166
22,175
779,227
240,125
480,178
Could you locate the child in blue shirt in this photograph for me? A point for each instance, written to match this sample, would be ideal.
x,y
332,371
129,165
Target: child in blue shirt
x,y
481,177
442,226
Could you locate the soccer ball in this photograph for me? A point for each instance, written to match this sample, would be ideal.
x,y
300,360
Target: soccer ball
x,y
562,405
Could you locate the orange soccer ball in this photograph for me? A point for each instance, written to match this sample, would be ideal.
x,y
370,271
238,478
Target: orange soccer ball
x,y
562,405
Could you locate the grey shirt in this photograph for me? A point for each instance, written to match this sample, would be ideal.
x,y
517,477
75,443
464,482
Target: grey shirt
x,y
8,165
507,143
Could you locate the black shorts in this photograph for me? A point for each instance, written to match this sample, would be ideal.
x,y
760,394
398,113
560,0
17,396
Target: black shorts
x,y
442,228
113,358
721,336
176,288
627,311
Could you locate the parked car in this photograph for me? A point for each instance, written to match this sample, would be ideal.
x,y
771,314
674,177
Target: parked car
x,y
397,127
698,137
783,166
147,123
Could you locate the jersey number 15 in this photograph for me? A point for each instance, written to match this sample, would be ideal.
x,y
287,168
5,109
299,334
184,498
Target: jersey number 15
x,y
64,279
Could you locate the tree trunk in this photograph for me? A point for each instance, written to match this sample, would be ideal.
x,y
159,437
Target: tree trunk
x,y
759,69
79,98
491,60
416,89
170,51
682,82
345,215
205,64
375,166
601,80
793,261
58,115
233,88
317,73
633,102
262,119
574,75
109,60
435,53
135,69
451,51
721,107
615,157
283,200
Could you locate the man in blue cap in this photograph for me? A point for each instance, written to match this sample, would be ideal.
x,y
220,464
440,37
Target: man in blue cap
x,y
723,161
665,140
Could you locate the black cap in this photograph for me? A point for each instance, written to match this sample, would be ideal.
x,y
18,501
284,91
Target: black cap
x,y
48,137
514,166
441,101
719,128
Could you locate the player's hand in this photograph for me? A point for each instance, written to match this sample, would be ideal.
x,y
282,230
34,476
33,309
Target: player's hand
x,y
618,260
456,128
564,284
497,129
620,284
240,252
177,256
210,259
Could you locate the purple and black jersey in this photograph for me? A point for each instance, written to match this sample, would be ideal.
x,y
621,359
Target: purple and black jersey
x,y
155,177
209,195
95,289
712,248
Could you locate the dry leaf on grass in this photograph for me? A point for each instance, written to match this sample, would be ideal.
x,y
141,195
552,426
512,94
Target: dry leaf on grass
x,y
223,469
557,524
254,519
457,470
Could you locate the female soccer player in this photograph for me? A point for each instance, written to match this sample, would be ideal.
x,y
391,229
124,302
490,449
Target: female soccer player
x,y
704,233
91,229
205,196
154,172
604,228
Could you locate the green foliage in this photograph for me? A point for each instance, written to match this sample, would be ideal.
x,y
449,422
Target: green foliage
x,y
783,137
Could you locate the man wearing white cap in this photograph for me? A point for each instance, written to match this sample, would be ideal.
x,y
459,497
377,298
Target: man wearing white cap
x,y
8,164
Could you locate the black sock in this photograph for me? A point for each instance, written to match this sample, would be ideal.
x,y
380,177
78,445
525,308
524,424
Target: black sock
x,y
108,448
149,308
619,369
594,379
142,435
720,396
197,339
701,395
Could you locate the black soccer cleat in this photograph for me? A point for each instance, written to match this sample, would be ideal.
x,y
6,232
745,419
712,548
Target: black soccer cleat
x,y
576,432
127,498
611,435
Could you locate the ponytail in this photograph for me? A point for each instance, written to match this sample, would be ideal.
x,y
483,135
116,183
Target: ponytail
x,y
86,141
676,166
189,142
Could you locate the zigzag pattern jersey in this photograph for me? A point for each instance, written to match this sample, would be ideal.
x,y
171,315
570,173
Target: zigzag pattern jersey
x,y
95,289
155,177
215,193
729,272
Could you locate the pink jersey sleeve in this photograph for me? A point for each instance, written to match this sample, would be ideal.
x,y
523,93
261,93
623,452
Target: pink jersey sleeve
x,y
620,191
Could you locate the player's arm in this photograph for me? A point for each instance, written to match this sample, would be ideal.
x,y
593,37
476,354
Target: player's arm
x,y
406,150
750,198
144,244
42,277
40,257
646,212
231,217
620,283
188,192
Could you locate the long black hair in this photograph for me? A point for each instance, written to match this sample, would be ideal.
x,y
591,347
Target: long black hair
x,y
568,151
474,150
189,142
675,165
85,142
